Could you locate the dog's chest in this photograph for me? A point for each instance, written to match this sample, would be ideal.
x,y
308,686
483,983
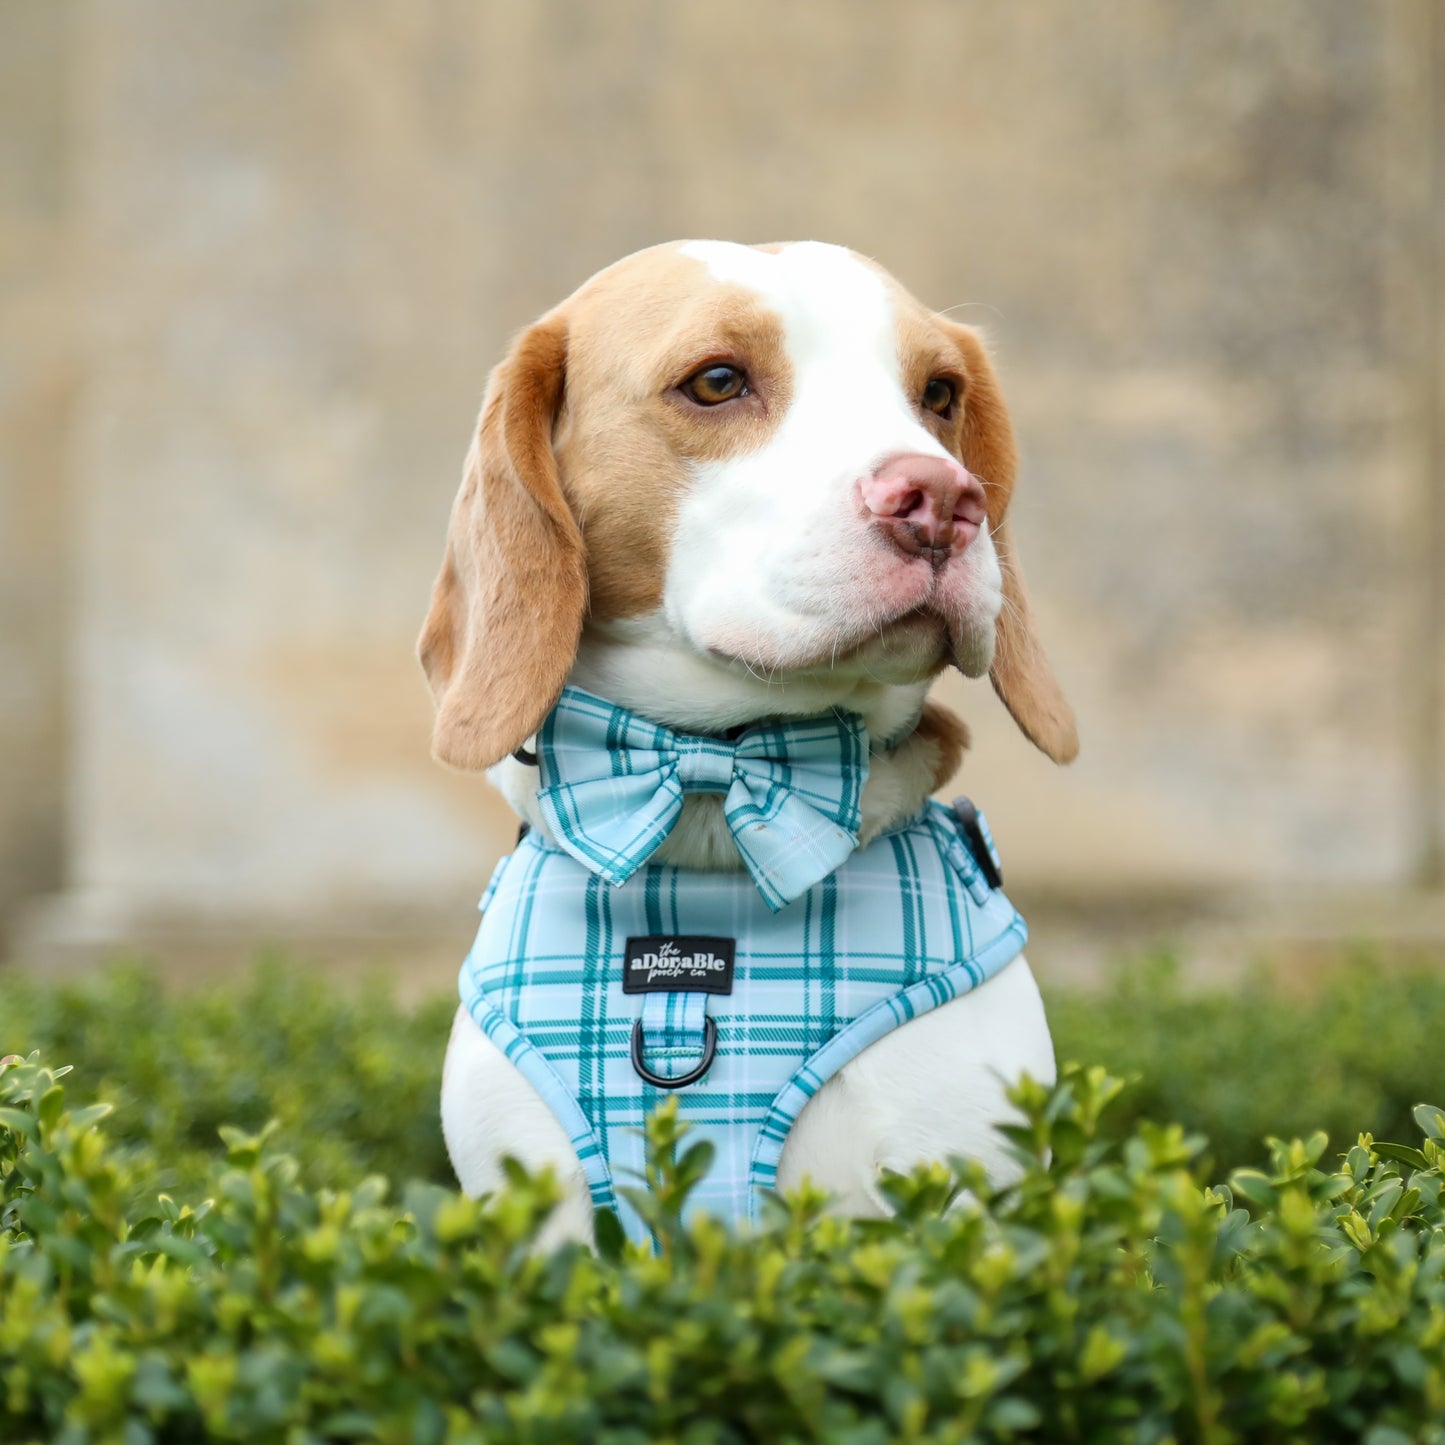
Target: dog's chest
x,y
608,997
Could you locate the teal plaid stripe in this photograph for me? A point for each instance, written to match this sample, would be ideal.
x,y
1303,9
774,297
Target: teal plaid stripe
x,y
613,786
902,926
674,1033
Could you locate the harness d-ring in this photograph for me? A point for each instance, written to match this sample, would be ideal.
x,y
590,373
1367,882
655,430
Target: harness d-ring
x,y
661,1081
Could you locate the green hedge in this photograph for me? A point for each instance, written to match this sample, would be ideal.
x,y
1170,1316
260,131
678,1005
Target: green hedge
x,y
1356,1050
353,1081
1108,1297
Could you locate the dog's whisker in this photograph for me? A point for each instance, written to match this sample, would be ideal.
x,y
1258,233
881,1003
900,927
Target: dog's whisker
x,y
970,305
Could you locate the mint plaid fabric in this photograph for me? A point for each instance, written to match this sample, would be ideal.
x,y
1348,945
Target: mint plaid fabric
x,y
903,925
613,785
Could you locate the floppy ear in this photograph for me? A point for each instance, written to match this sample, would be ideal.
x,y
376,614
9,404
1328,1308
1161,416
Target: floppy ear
x,y
1020,672
507,607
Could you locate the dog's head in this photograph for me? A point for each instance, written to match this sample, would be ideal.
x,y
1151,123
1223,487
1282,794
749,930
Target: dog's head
x,y
724,482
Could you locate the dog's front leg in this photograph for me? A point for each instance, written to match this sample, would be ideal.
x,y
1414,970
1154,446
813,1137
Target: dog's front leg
x,y
491,1112
934,1088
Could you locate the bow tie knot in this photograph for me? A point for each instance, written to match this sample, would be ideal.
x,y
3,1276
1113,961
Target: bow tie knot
x,y
613,785
708,766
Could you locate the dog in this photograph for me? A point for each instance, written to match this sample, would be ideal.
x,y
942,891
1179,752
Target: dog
x,y
722,485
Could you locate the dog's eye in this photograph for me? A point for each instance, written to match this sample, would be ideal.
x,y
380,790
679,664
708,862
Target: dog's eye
x,y
938,395
715,384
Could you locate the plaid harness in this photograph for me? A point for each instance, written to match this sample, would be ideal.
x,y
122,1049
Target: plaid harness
x,y
607,993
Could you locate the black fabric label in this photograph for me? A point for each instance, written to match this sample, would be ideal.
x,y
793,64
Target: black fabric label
x,y
678,963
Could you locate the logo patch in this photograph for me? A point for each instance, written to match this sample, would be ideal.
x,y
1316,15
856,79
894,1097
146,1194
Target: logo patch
x,y
678,963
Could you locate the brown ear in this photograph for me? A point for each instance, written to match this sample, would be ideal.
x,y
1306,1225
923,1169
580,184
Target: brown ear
x,y
1020,672
507,607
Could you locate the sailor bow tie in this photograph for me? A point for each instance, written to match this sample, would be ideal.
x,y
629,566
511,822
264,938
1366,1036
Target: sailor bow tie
x,y
613,786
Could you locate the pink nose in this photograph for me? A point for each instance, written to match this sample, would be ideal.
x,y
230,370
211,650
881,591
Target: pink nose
x,y
928,506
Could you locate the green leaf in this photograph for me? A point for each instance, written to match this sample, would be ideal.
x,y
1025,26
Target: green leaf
x,y
1014,1414
611,1238
349,1425
1255,1187
1431,1119
91,1114
696,1161
52,1105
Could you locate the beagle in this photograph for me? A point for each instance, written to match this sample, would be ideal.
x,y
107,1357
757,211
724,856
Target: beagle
x,y
722,484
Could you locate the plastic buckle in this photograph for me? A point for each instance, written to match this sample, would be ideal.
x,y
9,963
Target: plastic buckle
x,y
973,834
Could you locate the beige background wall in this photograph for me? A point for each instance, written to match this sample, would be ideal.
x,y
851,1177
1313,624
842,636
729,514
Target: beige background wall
x,y
255,261
37,388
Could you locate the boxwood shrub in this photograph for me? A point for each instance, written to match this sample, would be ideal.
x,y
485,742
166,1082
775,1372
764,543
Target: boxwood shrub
x,y
1110,1295
352,1081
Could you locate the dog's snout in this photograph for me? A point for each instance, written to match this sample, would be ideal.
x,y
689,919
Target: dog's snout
x,y
925,504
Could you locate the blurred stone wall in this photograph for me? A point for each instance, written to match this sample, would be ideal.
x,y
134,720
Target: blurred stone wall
x,y
255,261
37,380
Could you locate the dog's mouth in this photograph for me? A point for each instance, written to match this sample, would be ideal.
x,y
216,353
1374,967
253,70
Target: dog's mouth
x,y
905,649
898,624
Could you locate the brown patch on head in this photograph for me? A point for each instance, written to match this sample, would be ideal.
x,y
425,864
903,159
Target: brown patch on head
x,y
949,735
627,437
977,430
570,489
980,433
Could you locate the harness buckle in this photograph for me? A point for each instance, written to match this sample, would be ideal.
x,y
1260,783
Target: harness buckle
x,y
661,1081
978,844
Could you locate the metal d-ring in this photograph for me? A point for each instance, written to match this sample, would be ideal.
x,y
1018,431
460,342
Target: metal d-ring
x,y
661,1081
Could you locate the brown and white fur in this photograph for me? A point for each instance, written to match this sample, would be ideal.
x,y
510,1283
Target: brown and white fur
x,y
711,562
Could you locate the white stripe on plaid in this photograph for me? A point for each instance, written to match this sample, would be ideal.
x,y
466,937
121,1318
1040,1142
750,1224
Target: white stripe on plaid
x,y
886,937
613,785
